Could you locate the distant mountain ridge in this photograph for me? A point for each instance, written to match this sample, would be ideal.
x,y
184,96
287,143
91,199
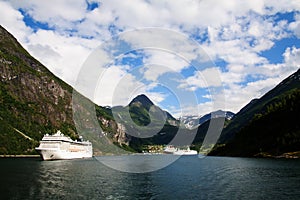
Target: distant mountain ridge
x,y
195,121
216,114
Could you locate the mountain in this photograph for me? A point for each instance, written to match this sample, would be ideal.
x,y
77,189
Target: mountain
x,y
35,102
141,100
266,126
195,121
190,121
216,114
141,107
172,131
257,106
145,123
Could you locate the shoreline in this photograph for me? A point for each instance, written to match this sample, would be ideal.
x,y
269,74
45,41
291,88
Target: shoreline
x,y
290,155
19,156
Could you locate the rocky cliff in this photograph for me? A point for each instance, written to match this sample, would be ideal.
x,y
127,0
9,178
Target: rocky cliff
x,y
35,102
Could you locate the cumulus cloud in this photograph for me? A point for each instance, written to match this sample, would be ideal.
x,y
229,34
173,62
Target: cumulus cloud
x,y
292,57
63,55
206,78
55,13
116,83
12,20
159,62
295,26
235,32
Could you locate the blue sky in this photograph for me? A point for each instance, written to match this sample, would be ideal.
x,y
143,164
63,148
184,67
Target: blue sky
x,y
247,47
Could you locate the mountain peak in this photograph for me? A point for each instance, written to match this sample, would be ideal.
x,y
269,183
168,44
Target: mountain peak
x,y
142,100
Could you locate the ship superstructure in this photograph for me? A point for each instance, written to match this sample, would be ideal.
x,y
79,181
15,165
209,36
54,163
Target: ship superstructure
x,y
58,146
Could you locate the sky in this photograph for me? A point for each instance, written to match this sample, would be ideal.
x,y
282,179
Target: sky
x,y
190,57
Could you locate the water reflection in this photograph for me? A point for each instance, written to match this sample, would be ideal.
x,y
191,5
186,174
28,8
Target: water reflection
x,y
54,176
19,178
187,178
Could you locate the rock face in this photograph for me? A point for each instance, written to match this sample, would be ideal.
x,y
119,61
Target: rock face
x,y
36,102
33,99
118,133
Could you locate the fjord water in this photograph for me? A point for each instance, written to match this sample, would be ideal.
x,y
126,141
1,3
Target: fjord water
x,y
187,178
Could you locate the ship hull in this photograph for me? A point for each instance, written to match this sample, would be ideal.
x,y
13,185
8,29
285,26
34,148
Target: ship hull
x,y
57,154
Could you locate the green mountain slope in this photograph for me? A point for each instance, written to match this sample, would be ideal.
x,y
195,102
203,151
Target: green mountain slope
x,y
150,131
141,108
267,126
146,123
35,102
258,106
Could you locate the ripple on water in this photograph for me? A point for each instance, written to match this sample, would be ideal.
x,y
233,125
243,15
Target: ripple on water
x,y
187,178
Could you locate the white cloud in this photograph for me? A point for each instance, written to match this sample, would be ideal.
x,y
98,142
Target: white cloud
x,y
282,6
156,97
190,14
207,78
159,62
55,13
164,40
152,72
238,31
115,87
292,57
63,55
12,20
295,26
118,87
238,96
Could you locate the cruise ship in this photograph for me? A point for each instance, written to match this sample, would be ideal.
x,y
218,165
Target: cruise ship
x,y
186,152
59,147
170,149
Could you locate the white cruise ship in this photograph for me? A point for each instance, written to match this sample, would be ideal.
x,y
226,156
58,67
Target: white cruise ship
x,y
170,149
185,152
58,146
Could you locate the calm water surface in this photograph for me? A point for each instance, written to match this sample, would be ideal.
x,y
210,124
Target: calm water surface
x,y
187,178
